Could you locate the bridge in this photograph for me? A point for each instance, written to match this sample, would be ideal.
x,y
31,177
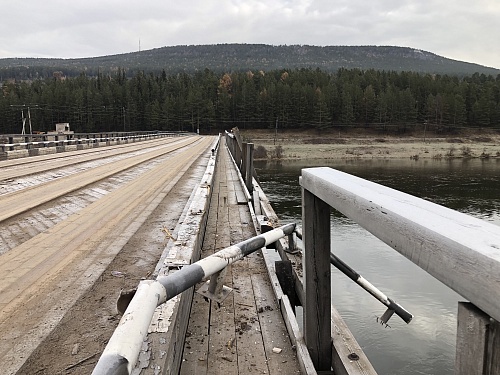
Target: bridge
x,y
107,243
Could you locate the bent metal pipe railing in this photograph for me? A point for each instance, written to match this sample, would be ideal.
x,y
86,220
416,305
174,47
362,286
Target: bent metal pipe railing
x,y
392,306
461,251
121,352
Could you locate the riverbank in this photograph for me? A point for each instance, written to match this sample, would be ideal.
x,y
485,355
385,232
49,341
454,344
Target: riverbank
x,y
360,144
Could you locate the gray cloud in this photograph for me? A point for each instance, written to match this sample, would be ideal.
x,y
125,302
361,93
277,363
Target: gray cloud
x,y
462,30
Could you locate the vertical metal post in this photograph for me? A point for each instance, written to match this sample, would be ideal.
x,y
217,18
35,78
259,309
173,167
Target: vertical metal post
x,y
291,243
317,311
478,342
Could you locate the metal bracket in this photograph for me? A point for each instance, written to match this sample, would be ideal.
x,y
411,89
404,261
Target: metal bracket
x,y
385,317
292,245
265,226
214,288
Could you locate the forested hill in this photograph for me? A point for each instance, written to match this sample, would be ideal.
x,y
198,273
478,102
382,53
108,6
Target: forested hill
x,y
244,57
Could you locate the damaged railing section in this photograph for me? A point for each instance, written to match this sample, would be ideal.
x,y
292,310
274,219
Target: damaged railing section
x,y
392,306
120,355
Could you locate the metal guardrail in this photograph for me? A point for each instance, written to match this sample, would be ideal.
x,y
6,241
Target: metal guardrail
x,y
392,306
121,352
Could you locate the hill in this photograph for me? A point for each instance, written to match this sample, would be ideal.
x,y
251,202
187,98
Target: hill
x,y
243,57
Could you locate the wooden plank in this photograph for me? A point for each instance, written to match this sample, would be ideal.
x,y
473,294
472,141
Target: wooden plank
x,y
195,354
241,196
237,187
459,250
231,198
248,336
244,160
164,346
272,326
249,342
256,203
305,361
222,358
317,318
478,342
249,167
247,345
493,353
296,337
239,144
234,212
238,176
344,345
196,345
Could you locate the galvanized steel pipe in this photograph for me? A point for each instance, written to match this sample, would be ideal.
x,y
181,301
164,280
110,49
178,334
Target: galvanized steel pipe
x,y
120,355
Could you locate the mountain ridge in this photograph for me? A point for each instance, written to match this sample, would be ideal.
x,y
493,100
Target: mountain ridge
x,y
243,57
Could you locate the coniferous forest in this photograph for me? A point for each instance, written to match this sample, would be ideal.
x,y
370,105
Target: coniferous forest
x,y
301,98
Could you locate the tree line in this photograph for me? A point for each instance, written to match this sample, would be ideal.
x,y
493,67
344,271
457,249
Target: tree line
x,y
301,98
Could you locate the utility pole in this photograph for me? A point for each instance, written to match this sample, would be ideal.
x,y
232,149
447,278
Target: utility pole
x,y
24,106
123,111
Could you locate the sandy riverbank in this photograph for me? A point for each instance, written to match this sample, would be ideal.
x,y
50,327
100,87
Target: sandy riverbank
x,y
357,145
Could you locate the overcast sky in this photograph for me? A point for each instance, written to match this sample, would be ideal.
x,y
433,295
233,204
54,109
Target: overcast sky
x,y
467,30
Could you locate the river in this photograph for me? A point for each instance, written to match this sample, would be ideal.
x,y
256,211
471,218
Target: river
x,y
427,344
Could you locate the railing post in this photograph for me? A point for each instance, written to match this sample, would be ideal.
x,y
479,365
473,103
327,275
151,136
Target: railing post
x,y
232,148
243,165
478,342
249,167
317,311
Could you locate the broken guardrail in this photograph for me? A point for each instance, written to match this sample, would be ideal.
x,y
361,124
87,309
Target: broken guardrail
x,y
122,350
392,306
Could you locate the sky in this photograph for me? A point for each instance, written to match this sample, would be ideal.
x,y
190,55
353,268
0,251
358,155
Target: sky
x,y
466,30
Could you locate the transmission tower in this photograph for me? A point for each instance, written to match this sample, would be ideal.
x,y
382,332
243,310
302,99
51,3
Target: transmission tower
x,y
23,107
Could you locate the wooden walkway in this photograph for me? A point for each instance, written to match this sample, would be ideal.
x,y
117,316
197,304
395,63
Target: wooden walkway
x,y
246,333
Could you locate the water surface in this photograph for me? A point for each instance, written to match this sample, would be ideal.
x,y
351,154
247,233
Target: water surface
x,y
427,344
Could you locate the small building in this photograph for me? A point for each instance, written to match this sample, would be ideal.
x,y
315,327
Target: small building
x,y
61,129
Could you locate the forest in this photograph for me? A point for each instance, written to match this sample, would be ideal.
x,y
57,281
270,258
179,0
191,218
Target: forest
x,y
210,101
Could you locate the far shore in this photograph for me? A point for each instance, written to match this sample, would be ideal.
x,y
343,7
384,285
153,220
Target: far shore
x,y
304,144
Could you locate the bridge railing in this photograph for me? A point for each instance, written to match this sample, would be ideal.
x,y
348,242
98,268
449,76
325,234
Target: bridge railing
x,y
121,352
460,251
242,154
12,142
